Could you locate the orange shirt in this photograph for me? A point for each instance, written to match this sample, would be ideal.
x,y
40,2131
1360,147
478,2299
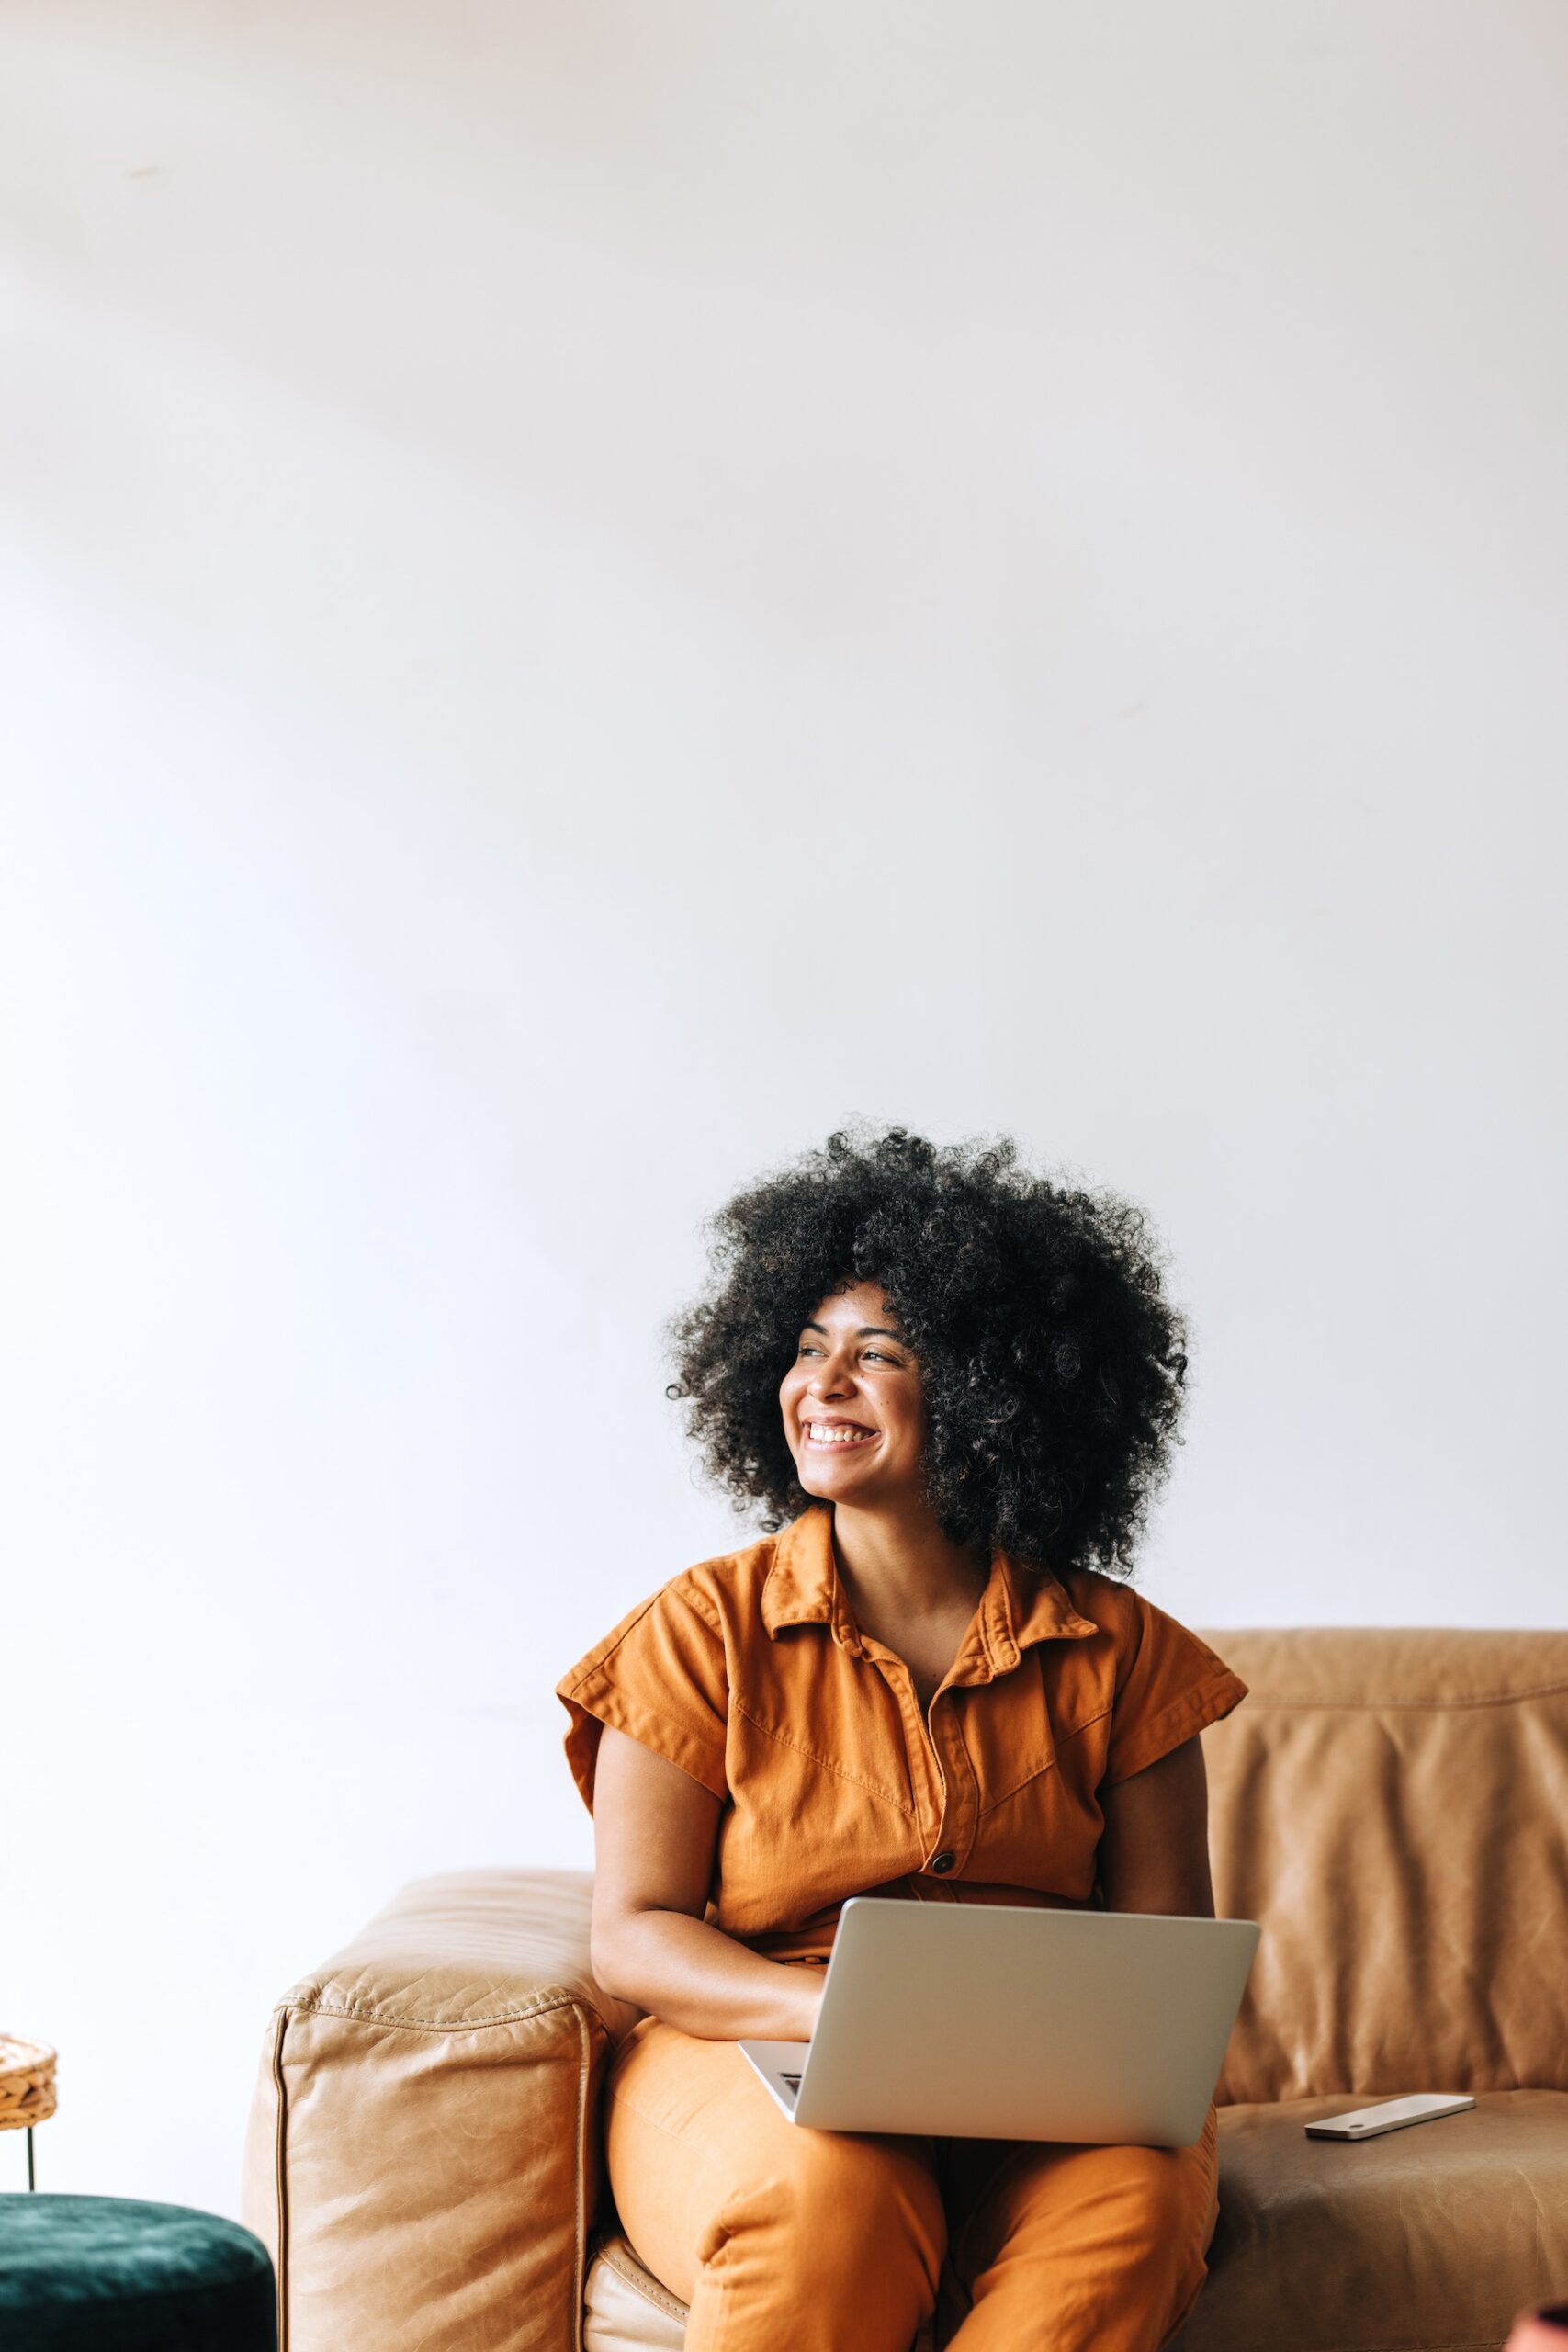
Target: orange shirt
x,y
750,1672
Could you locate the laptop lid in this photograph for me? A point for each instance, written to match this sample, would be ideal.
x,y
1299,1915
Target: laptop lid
x,y
985,2022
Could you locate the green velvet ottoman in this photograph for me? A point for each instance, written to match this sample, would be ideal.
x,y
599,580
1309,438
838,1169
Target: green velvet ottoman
x,y
105,2274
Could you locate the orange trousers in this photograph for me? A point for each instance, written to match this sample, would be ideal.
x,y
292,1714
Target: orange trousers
x,y
850,2241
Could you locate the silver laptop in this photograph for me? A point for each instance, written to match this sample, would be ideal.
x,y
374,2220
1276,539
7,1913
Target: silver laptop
x,y
982,2021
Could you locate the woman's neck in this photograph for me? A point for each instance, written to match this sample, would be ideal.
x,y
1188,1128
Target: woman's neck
x,y
897,1563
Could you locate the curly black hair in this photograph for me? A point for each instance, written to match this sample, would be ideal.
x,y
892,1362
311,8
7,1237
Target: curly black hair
x,y
1051,1359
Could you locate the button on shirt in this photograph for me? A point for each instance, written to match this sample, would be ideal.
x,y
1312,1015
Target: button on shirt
x,y
750,1672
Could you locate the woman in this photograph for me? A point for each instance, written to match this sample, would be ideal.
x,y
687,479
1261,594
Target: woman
x,y
953,1387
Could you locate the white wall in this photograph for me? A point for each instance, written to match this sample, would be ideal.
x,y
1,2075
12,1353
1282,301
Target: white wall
x,y
591,589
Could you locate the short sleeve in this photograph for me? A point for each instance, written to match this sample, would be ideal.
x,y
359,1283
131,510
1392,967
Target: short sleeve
x,y
659,1676
1168,1686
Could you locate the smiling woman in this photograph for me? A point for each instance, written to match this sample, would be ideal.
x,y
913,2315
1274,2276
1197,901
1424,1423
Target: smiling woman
x,y
950,1388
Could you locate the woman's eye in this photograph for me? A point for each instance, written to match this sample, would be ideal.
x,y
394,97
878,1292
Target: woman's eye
x,y
868,1355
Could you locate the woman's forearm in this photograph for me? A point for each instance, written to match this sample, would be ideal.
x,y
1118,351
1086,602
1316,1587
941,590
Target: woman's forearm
x,y
696,1977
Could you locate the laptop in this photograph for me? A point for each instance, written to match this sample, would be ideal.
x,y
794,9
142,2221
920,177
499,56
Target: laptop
x,y
985,2022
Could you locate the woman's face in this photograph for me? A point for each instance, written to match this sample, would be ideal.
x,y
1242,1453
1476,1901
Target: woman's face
x,y
854,1410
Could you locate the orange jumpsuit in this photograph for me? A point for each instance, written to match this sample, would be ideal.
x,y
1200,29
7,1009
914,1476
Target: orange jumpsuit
x,y
749,1673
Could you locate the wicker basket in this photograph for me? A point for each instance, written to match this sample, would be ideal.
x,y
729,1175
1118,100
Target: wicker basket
x,y
27,2082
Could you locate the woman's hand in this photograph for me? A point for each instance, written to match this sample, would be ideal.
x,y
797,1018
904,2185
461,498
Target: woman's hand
x,y
1153,1849
655,1830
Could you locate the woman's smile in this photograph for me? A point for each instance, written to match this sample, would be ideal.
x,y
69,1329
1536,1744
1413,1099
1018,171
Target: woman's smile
x,y
836,1434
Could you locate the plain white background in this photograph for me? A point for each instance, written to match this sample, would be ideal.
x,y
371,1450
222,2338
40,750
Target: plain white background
x,y
591,589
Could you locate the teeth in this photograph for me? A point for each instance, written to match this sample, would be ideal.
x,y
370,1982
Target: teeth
x,y
826,1433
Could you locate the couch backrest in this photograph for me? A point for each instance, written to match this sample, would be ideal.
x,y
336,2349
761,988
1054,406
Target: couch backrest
x,y
1393,1805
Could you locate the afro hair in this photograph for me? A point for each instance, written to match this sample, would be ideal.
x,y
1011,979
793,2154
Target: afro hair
x,y
1052,1362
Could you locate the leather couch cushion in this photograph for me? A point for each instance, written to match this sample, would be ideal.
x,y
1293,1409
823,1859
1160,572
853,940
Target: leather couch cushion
x,y
423,2160
624,2308
1431,2237
1393,1805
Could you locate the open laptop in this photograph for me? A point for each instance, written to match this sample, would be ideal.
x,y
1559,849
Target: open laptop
x,y
982,2021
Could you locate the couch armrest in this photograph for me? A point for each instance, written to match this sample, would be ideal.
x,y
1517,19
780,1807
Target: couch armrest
x,y
422,2156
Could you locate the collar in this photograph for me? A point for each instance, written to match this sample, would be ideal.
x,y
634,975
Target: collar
x,y
1017,1608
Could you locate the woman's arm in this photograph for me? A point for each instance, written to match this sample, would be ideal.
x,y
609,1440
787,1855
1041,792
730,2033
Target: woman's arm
x,y
654,1831
1153,1849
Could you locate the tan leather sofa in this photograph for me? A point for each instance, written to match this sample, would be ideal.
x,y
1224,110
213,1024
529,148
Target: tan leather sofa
x,y
1392,1806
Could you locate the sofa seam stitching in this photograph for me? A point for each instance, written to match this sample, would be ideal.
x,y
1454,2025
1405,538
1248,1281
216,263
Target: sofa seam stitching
x,y
1476,2345
663,2301
443,2025
1429,1706
581,2267
280,2179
